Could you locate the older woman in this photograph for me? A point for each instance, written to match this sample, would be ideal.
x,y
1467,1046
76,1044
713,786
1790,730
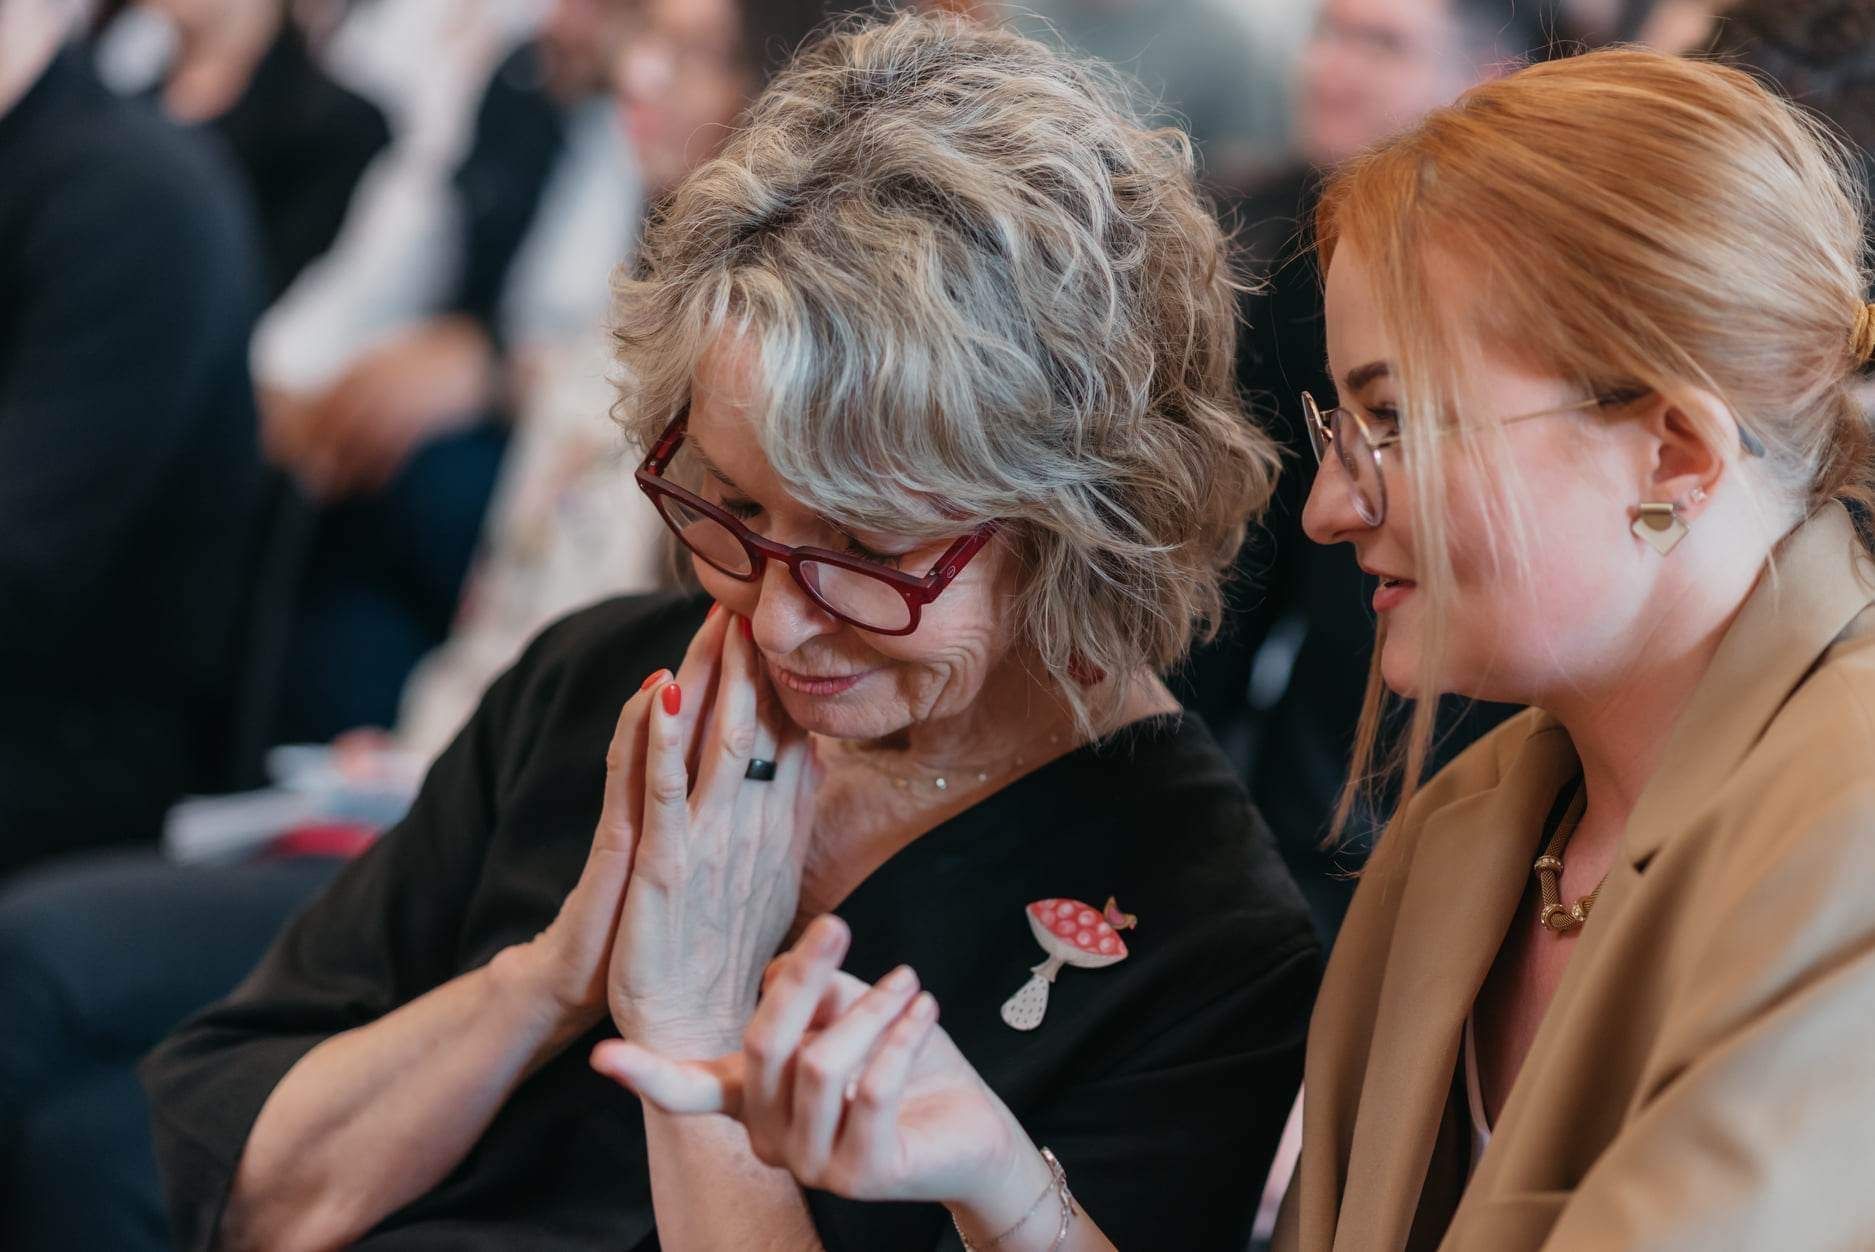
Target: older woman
x,y
1608,980
932,367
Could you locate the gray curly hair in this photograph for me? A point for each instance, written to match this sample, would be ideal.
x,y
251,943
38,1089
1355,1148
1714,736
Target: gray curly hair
x,y
977,288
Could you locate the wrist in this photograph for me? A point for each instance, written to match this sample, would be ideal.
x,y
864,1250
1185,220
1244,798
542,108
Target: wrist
x,y
691,1038
1004,1192
522,982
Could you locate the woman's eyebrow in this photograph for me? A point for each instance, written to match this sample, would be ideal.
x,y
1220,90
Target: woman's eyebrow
x,y
710,467
1361,375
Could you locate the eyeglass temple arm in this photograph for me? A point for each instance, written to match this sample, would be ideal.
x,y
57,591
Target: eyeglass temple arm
x,y
666,445
1752,445
958,556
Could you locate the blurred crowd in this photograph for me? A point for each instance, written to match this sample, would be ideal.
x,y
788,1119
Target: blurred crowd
x,y
305,384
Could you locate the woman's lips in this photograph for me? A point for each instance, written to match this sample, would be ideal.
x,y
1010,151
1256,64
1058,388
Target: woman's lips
x,y
1391,592
815,684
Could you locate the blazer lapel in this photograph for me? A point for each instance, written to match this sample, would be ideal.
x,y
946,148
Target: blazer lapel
x,y
1468,874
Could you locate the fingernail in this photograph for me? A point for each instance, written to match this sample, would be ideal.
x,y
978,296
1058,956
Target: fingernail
x,y
900,979
712,613
748,628
673,697
831,936
924,1008
657,677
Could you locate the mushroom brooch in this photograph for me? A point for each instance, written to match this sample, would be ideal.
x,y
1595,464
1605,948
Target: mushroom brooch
x,y
1071,933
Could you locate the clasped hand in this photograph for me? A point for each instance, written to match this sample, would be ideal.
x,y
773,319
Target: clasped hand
x,y
694,873
853,1089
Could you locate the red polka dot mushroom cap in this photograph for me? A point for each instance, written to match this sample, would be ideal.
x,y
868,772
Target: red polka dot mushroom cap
x,y
1079,934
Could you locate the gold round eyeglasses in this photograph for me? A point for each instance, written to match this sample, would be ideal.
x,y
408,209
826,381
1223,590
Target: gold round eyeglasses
x,y
1358,443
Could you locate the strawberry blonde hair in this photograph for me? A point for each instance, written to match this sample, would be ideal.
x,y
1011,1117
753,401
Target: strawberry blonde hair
x,y
1638,221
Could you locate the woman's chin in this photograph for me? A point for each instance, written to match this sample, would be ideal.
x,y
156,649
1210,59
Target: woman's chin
x,y
836,716
1399,669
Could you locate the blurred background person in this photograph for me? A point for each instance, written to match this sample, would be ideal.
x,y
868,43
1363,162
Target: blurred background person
x,y
1282,686
1594,23
404,441
1219,69
129,481
105,957
1821,53
246,71
1678,25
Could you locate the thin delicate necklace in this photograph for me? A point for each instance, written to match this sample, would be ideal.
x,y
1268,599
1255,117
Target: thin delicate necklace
x,y
1556,917
946,778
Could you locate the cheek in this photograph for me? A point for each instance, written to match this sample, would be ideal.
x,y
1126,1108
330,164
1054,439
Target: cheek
x,y
1531,600
731,593
954,642
959,642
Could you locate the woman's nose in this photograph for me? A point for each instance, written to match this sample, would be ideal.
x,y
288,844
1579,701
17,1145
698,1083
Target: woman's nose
x,y
784,617
1330,515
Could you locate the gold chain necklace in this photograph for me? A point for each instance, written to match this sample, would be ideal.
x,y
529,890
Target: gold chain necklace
x,y
1556,917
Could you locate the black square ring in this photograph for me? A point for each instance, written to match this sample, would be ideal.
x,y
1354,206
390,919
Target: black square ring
x,y
759,770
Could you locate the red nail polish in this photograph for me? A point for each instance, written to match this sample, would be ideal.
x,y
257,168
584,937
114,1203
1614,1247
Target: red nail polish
x,y
712,613
748,628
657,676
673,698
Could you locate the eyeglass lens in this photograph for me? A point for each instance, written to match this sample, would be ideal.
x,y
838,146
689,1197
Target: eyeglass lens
x,y
1362,463
859,597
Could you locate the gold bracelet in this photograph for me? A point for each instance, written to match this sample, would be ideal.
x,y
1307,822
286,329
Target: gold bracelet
x,y
1058,1187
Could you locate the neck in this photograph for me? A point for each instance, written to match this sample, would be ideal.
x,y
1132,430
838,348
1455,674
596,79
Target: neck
x,y
1620,725
216,61
880,795
1016,724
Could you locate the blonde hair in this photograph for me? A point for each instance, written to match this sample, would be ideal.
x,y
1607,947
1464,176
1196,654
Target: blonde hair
x,y
976,289
1638,221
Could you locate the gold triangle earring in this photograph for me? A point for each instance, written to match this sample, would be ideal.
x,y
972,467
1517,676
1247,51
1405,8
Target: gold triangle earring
x,y
1661,525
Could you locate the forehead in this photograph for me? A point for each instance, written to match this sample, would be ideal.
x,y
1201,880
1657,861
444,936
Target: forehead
x,y
725,403
1355,333
822,473
698,20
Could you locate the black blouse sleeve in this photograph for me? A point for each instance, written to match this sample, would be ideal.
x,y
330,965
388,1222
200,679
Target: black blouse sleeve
x,y
386,931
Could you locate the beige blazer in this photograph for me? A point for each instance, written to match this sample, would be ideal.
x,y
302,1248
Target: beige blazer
x,y
1705,1076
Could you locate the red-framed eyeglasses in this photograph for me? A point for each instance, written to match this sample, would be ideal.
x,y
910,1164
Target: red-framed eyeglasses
x,y
851,588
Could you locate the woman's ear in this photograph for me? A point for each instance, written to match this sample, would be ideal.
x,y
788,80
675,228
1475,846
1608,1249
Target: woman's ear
x,y
1689,440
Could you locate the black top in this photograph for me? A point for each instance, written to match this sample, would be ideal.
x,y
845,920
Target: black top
x,y
128,468
520,136
302,140
1161,1082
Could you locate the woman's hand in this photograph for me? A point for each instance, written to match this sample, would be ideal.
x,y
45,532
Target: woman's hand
x,y
566,966
717,873
854,1090
437,378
